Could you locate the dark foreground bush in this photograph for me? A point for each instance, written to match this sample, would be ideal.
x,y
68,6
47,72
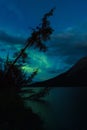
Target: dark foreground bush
x,y
14,116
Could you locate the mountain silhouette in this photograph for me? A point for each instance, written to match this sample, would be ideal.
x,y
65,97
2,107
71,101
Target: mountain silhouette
x,y
75,76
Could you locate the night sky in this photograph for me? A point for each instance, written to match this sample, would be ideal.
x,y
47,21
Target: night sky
x,y
68,42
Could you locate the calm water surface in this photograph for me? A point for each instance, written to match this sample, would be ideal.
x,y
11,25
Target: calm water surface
x,y
64,108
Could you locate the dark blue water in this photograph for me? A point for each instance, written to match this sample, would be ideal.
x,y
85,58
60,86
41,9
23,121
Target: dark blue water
x,y
65,108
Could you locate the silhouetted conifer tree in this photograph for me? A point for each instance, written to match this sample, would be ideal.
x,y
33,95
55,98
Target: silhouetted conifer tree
x,y
38,37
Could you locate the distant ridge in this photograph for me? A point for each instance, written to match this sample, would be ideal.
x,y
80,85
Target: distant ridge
x,y
75,76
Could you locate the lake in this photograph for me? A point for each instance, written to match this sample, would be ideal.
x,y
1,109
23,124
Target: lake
x,y
64,108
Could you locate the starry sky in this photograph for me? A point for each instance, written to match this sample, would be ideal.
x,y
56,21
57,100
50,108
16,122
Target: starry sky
x,y
68,42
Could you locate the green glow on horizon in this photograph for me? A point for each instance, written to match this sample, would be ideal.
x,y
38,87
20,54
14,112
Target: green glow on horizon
x,y
30,69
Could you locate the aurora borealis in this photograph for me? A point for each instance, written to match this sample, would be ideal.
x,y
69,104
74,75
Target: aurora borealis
x,y
68,42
